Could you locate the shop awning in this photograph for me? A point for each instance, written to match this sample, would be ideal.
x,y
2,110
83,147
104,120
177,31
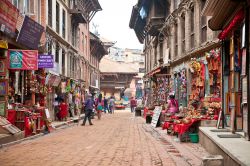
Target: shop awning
x,y
220,16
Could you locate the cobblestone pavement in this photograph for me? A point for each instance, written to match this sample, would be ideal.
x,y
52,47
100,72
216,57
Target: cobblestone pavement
x,y
118,139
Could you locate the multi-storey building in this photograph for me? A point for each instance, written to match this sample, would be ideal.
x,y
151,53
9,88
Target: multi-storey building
x,y
173,32
61,35
68,40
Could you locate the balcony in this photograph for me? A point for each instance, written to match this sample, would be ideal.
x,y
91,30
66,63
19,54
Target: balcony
x,y
83,10
154,25
78,14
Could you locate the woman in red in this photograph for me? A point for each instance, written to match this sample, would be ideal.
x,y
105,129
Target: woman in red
x,y
63,107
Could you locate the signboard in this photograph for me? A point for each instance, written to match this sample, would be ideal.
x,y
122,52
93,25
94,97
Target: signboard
x,y
157,112
142,70
30,33
23,59
45,61
8,17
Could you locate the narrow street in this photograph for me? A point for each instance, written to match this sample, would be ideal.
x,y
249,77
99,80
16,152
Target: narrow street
x,y
119,139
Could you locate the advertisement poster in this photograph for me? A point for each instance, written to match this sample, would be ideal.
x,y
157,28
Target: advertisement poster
x,y
23,59
45,61
30,33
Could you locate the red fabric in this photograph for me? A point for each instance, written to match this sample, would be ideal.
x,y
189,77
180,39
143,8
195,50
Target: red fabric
x,y
238,18
63,110
27,129
182,128
166,125
145,112
12,116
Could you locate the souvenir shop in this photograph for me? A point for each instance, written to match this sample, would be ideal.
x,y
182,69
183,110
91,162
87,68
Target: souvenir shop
x,y
203,98
23,90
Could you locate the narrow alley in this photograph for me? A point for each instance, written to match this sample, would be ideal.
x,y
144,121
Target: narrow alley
x,y
119,139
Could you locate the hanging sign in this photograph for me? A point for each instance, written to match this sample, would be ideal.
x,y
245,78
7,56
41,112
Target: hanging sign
x,y
23,59
45,61
8,17
30,33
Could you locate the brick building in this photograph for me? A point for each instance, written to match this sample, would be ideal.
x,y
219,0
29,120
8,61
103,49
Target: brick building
x,y
173,32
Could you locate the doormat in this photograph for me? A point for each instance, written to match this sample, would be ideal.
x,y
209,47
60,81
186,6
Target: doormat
x,y
229,136
220,130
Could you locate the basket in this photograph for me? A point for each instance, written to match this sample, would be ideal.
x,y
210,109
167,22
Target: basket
x,y
194,137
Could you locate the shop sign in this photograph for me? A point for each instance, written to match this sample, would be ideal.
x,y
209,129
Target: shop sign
x,y
157,112
45,61
142,70
30,33
3,44
8,17
23,59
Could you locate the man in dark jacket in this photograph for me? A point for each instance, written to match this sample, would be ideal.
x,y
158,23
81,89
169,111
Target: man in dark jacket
x,y
89,106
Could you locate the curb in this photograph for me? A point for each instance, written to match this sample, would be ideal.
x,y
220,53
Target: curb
x,y
67,123
21,140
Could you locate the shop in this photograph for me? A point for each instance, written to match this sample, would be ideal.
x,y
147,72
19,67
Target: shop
x,y
197,88
23,89
235,73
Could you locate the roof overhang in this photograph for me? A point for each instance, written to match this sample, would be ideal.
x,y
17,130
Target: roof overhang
x,y
220,17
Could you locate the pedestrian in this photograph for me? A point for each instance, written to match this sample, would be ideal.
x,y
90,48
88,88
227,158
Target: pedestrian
x,y
99,107
105,104
112,104
133,104
63,110
172,104
89,106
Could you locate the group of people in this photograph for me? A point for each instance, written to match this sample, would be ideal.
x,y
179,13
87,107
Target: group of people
x,y
100,105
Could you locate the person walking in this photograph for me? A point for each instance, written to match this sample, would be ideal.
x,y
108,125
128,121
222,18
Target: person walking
x,y
111,104
89,106
133,104
105,104
99,107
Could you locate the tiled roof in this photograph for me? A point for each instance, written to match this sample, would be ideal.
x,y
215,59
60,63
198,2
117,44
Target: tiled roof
x,y
111,66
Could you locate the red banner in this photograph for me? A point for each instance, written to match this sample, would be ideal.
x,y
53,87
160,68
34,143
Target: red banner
x,y
8,16
23,59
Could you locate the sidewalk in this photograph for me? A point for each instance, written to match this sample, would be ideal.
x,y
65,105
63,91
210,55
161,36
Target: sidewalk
x,y
55,125
192,153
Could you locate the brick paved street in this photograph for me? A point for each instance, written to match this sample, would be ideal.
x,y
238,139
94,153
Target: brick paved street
x,y
119,139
